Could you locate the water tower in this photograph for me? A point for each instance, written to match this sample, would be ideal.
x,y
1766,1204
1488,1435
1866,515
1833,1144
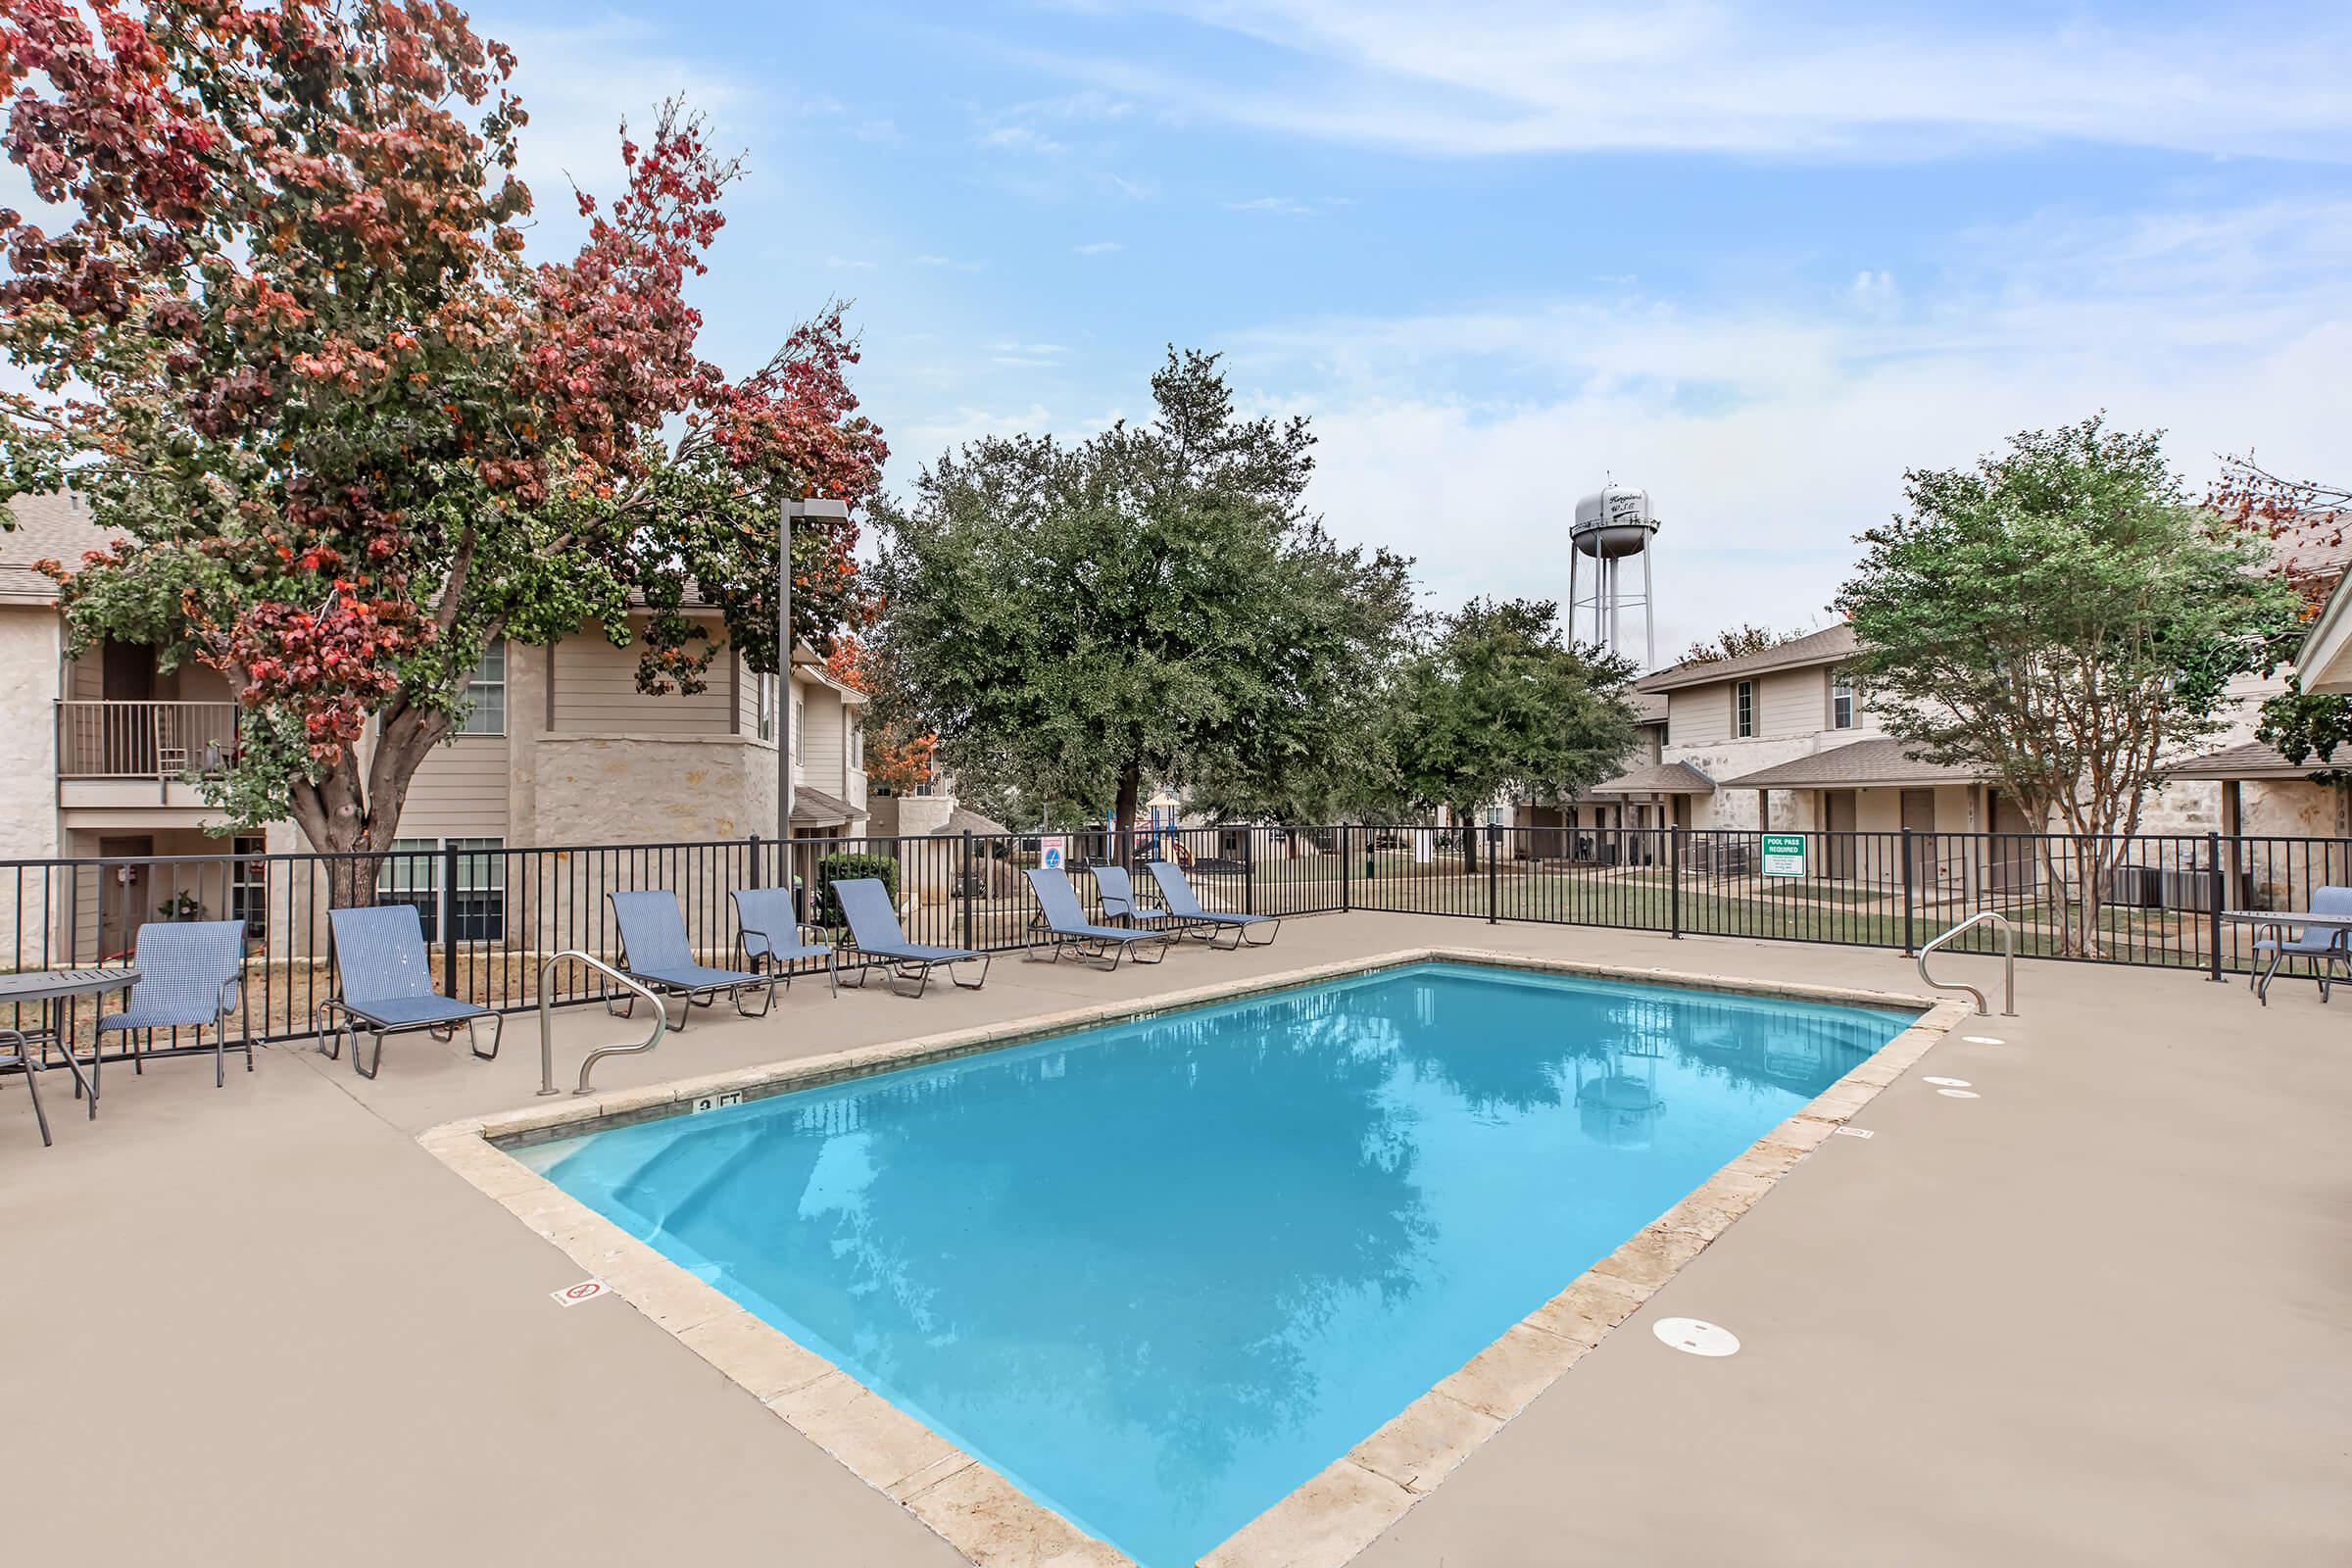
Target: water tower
x,y
1612,526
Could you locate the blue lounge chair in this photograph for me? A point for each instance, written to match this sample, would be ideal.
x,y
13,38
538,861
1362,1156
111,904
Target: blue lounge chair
x,y
1185,905
190,976
1119,906
1065,927
2325,948
385,987
655,954
770,936
878,940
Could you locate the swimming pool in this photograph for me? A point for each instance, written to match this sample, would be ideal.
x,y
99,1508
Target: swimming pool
x,y
1159,1274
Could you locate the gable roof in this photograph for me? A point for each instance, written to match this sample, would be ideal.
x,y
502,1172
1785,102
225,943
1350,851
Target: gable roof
x,y
2250,761
1657,778
1872,762
1829,646
55,526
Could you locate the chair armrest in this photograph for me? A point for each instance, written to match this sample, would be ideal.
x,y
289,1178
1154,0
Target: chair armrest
x,y
233,991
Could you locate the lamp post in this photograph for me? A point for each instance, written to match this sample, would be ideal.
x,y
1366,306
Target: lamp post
x,y
830,511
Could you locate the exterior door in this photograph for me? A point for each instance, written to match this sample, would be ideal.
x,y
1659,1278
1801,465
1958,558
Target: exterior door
x,y
1919,815
1839,816
126,676
123,901
2010,867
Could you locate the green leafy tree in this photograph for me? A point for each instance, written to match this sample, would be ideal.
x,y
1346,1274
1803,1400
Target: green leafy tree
x,y
2061,617
1152,606
285,338
1499,705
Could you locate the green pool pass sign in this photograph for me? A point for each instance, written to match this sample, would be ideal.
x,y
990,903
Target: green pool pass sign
x,y
1784,855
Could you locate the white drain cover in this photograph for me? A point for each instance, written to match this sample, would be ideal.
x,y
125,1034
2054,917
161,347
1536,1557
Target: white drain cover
x,y
1983,1040
1946,1083
1696,1337
1959,1094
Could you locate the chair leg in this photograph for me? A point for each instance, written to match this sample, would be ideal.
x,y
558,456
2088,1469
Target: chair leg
x,y
497,1027
33,1087
376,1061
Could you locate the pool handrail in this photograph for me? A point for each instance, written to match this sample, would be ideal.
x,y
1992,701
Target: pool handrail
x,y
547,1039
2008,963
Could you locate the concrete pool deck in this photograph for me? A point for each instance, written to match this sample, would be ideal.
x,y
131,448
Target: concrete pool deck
x,y
2093,1315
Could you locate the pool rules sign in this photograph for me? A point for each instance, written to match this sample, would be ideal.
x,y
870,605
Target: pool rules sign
x,y
1784,855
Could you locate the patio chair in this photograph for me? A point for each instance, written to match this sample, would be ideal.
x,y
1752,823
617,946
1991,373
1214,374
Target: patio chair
x,y
1065,927
2325,949
1116,889
384,986
654,952
1184,904
878,940
190,976
770,936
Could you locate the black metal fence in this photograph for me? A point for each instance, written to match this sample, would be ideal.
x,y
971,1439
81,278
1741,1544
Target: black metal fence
x,y
2154,899
494,915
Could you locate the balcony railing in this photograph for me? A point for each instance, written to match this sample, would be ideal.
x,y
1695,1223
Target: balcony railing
x,y
144,740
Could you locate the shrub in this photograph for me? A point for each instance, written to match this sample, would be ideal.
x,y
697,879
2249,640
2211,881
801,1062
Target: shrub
x,y
834,868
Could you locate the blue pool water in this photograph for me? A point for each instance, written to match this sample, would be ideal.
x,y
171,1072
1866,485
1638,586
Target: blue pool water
x,y
1160,1274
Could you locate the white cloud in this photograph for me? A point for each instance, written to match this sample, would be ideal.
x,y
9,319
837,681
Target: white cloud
x,y
1019,139
1530,75
1278,206
949,264
1770,438
1098,247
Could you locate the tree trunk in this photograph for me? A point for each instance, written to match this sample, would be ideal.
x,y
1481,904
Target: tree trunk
x,y
1469,830
354,821
1131,793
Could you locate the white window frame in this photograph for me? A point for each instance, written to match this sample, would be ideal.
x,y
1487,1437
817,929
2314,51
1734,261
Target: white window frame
x,y
1841,697
484,681
764,702
248,882
1743,710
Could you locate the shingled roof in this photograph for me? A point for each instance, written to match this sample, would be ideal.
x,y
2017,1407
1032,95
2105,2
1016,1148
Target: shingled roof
x,y
1827,646
2250,761
1658,778
47,527
1863,763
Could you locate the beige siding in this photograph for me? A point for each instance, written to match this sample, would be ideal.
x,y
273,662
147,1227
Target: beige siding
x,y
1794,702
460,792
1697,716
596,694
820,755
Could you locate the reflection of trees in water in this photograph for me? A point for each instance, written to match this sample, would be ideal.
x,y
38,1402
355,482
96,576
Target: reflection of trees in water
x,y
1297,1182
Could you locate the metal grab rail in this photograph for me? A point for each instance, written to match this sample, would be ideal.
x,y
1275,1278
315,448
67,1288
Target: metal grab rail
x,y
547,1039
2008,963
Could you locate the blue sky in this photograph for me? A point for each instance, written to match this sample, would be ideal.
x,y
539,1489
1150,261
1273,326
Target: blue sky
x,y
1756,260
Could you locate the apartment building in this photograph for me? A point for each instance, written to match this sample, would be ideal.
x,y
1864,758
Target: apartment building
x,y
101,753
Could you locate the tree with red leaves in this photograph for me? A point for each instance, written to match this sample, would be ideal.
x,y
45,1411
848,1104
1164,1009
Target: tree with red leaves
x,y
282,334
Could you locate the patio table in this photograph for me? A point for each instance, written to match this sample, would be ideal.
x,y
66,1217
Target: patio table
x,y
2280,922
54,992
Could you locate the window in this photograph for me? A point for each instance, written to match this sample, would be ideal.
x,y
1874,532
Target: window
x,y
1841,698
1743,709
488,693
799,730
249,883
764,686
412,874
856,740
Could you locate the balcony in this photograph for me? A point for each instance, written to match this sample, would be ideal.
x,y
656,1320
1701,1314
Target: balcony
x,y
121,754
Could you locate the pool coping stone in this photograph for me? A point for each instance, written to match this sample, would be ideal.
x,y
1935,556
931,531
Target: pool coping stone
x,y
1336,1513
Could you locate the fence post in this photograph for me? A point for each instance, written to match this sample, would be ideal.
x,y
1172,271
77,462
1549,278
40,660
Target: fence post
x,y
449,919
1347,893
1910,894
2216,887
1673,880
755,871
1493,872
1249,870
964,886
